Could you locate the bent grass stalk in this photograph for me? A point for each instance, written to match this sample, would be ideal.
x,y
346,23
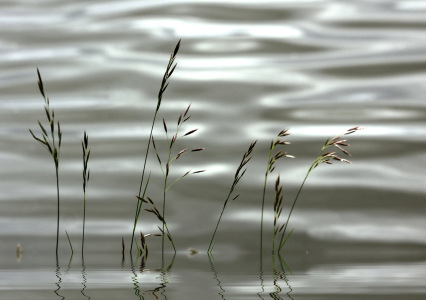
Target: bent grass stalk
x,y
164,84
269,169
86,176
170,160
238,175
321,158
69,241
51,145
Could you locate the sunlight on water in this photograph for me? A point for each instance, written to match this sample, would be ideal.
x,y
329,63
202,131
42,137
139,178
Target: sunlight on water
x,y
411,5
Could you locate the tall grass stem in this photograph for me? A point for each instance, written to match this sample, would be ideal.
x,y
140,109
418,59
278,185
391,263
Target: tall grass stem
x,y
50,144
237,177
169,70
86,177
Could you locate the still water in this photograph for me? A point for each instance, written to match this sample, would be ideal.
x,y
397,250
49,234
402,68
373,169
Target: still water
x,y
249,70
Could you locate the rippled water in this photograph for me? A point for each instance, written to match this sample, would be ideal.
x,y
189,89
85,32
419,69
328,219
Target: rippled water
x,y
249,69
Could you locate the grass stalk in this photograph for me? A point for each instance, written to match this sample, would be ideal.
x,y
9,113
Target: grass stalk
x,y
213,241
323,157
164,84
237,177
123,247
86,176
164,222
57,205
50,144
69,241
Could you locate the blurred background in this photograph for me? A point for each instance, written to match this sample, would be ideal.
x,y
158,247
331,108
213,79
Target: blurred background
x,y
249,70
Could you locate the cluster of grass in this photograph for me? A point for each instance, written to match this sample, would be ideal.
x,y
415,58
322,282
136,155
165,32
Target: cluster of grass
x,y
52,142
164,84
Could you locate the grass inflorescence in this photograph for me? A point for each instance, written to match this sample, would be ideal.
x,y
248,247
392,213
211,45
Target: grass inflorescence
x,y
166,164
270,167
322,157
154,210
278,208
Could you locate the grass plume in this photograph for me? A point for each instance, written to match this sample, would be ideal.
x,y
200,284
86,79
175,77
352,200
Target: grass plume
x,y
272,159
323,157
237,177
51,141
278,208
164,84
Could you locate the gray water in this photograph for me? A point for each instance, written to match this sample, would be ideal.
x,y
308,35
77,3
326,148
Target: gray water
x,y
249,70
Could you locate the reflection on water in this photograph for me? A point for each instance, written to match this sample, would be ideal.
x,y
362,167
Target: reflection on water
x,y
162,274
84,276
275,289
59,282
277,274
216,277
219,280
280,274
135,276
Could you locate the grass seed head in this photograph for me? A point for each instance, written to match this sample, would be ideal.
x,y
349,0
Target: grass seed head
x,y
190,132
187,110
165,126
181,152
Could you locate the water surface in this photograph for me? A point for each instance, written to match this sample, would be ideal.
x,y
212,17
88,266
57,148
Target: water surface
x,y
249,70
